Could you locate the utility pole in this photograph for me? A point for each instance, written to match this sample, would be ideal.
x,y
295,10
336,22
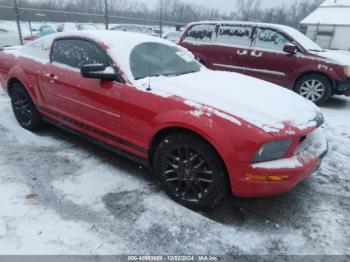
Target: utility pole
x,y
161,19
18,22
106,14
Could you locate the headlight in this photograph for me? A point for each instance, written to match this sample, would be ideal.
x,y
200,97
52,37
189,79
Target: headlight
x,y
347,71
272,151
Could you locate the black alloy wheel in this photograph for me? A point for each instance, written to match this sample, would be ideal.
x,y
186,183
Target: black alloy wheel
x,y
24,109
191,171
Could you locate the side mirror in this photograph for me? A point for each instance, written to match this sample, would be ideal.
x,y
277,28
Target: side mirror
x,y
290,49
98,71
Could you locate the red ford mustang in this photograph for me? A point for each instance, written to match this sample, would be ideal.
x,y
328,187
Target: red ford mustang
x,y
203,132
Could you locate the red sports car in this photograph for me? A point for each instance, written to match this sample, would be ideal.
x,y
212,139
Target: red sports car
x,y
203,132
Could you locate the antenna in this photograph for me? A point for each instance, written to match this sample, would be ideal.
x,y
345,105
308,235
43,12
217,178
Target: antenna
x,y
149,79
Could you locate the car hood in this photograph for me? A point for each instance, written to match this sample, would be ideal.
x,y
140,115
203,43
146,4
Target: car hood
x,y
238,97
339,57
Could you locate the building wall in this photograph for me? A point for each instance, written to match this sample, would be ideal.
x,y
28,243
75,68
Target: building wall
x,y
330,37
342,38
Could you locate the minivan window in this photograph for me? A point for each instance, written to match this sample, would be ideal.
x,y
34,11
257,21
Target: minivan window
x,y
77,53
156,59
270,39
235,35
200,34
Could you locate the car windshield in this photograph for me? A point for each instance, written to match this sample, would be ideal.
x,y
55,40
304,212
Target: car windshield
x,y
302,39
156,59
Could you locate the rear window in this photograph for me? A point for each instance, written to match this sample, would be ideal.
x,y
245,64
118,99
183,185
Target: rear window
x,y
235,35
200,34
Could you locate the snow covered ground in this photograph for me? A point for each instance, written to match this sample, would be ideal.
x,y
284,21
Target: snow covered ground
x,y
62,195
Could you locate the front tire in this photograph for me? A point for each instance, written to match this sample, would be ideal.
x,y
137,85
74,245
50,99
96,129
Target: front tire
x,y
315,88
190,171
24,109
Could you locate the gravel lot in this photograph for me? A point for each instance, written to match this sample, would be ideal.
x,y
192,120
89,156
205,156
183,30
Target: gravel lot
x,y
62,195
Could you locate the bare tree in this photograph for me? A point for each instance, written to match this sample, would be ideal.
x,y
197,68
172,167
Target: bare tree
x,y
248,9
173,10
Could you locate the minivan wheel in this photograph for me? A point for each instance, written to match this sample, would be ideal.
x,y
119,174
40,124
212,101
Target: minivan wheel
x,y
190,171
315,88
24,109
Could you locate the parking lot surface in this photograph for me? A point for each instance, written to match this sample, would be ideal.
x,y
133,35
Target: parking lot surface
x,y
62,195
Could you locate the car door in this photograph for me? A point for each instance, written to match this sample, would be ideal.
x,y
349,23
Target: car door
x,y
198,39
268,61
233,47
91,103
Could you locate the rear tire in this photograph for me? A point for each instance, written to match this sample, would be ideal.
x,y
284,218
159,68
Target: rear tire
x,y
24,109
315,88
190,171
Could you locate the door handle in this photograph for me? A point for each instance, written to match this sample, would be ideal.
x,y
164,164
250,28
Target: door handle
x,y
257,53
242,52
51,78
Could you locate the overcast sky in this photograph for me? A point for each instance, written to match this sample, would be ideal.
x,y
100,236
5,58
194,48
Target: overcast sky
x,y
228,5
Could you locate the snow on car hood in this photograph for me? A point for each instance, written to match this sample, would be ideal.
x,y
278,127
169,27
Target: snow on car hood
x,y
341,58
229,95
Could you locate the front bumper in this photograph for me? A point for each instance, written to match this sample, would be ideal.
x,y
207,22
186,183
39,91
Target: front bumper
x,y
343,87
280,176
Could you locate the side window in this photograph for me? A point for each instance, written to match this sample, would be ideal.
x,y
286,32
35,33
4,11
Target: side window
x,y
235,35
76,53
270,39
200,34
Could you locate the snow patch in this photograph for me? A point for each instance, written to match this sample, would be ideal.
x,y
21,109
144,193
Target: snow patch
x,y
205,110
32,229
237,97
92,183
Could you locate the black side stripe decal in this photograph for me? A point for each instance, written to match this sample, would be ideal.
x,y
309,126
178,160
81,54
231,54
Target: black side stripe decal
x,y
94,130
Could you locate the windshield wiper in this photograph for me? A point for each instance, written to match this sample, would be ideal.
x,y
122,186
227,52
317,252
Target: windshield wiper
x,y
182,73
317,50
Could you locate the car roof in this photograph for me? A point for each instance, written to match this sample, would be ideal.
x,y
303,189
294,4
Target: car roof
x,y
119,44
113,39
303,40
246,23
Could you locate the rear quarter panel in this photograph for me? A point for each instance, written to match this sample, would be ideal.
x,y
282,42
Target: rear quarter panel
x,y
25,69
7,61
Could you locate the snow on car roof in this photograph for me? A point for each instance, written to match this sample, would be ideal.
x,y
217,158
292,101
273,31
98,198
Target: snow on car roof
x,y
303,40
119,44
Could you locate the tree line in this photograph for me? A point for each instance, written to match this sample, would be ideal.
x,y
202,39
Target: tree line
x,y
287,15
136,11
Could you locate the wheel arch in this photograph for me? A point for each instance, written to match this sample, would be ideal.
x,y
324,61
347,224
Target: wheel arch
x,y
170,130
313,73
11,82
